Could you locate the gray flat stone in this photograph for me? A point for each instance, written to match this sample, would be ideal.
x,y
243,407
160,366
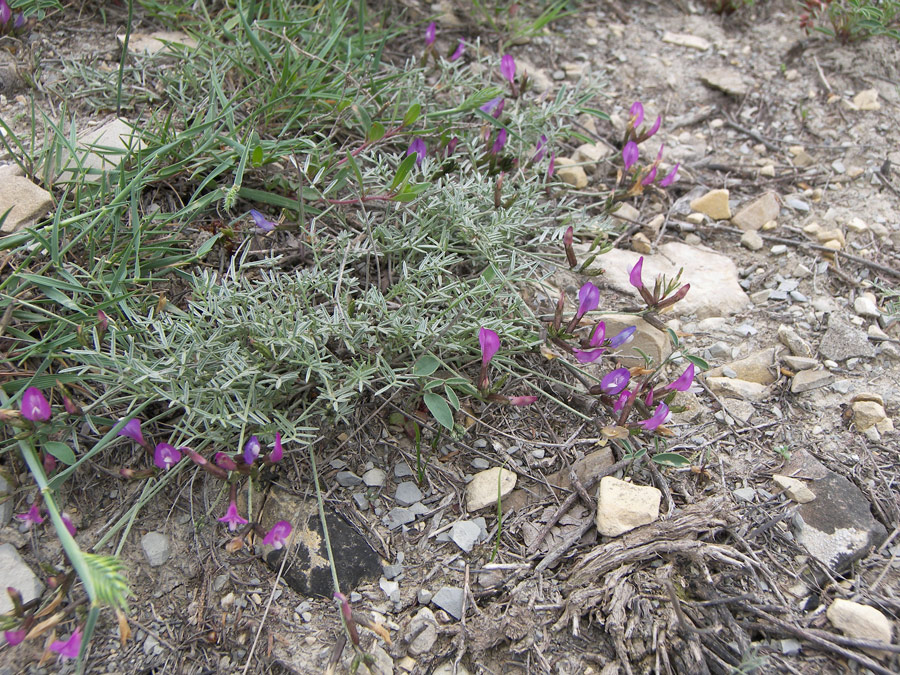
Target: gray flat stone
x,y
807,380
465,534
424,627
156,547
843,341
402,470
393,571
408,493
347,479
374,477
450,599
15,573
398,516
100,150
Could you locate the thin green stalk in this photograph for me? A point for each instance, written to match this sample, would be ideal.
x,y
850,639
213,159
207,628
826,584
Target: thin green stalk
x,y
124,57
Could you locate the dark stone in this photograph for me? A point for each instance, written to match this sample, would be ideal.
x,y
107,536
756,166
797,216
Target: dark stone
x,y
307,570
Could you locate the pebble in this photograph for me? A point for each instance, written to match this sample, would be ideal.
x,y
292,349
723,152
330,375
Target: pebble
x,y
480,464
424,596
465,534
480,443
486,486
538,453
779,249
347,479
397,517
450,599
424,627
408,493
402,470
558,75
865,305
389,587
860,621
797,296
623,506
752,240
156,547
362,502
393,571
797,204
842,386
374,477
219,582
807,380
745,493
714,204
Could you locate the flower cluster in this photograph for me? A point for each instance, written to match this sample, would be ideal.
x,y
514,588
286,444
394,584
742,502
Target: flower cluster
x,y
640,177
489,342
664,292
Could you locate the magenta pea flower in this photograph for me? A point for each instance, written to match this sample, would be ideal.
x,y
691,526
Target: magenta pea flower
x,y
500,142
277,452
278,535
14,637
637,114
683,383
630,154
70,648
508,68
522,400
261,221
490,345
588,299
32,515
34,406
5,13
540,150
224,461
430,34
451,146
650,177
654,128
489,107
622,338
232,518
615,381
669,178
621,401
589,356
460,50
19,21
132,430
252,449
417,146
166,456
659,416
648,399
635,275
69,525
599,335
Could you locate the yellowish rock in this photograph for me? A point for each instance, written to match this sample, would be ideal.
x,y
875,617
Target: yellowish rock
x,y
695,218
812,229
714,204
866,100
569,172
833,244
641,243
768,171
488,486
856,224
831,233
867,414
795,489
623,506
860,621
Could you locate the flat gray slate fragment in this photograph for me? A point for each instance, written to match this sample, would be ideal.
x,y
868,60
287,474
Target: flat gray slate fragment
x,y
347,479
156,547
844,341
465,534
402,470
450,599
15,573
374,477
399,516
408,493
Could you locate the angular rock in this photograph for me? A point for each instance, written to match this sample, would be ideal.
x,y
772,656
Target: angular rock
x,y
860,621
752,241
866,305
758,367
807,380
626,212
685,40
837,528
570,173
728,80
736,388
398,516
790,339
450,599
590,154
797,363
29,203
715,290
647,339
754,215
347,479
867,414
424,627
714,204
844,341
867,99
739,409
159,41
795,489
408,493
15,573
307,570
487,486
623,506
641,244
374,477
157,548
465,534
586,468
101,150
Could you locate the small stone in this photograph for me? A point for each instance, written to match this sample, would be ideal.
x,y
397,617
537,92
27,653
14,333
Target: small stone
x,y
695,218
559,75
623,506
392,571
590,154
160,41
754,215
362,502
797,363
768,171
465,534
770,225
865,305
842,386
807,380
752,241
797,296
569,172
795,489
833,244
398,516
860,621
402,470
734,388
746,494
728,80
389,587
23,202
843,341
685,40
424,627
832,233
867,414
219,582
856,224
838,166
760,297
424,596
797,204
738,409
408,493
15,573
790,339
450,599
156,547
641,244
374,477
757,367
347,479
779,249
480,464
802,159
714,204
487,486
627,213
866,100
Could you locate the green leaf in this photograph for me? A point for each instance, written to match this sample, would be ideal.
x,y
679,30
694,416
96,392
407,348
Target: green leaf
x,y
439,408
412,114
426,365
672,459
672,336
452,397
61,451
256,157
375,133
403,171
396,419
410,192
697,361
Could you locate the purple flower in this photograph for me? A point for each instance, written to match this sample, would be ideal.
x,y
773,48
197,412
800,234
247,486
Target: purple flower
x,y
621,401
277,453
232,517
650,177
34,406
165,456
508,68
102,321
278,535
14,637
683,383
490,344
70,526
261,221
551,167
599,335
417,146
19,21
488,107
430,34
655,127
648,400
500,142
251,450
669,178
451,146
589,356
615,381
660,416
522,400
588,299
540,150
5,12
635,275
132,430
630,154
224,461
637,114
623,338
70,648
460,49
32,515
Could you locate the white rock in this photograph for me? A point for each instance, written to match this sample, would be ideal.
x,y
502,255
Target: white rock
x,y
867,414
865,305
627,213
728,80
156,547
755,214
866,100
860,621
735,388
685,40
160,41
623,506
15,573
27,201
101,150
795,489
464,534
487,486
752,241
